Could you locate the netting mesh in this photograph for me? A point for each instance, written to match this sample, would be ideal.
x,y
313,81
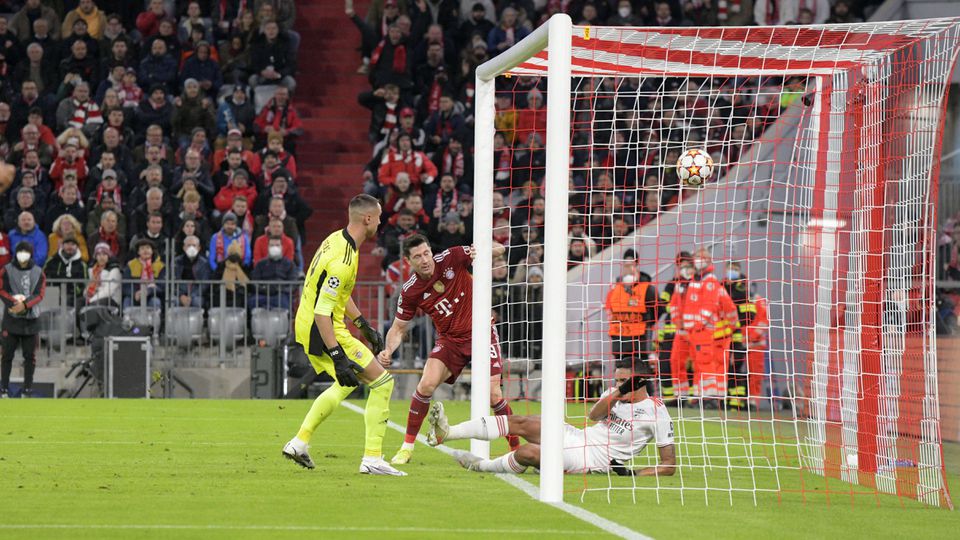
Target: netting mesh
x,y
817,223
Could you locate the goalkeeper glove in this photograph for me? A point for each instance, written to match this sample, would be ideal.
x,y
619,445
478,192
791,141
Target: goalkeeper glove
x,y
633,383
370,334
343,367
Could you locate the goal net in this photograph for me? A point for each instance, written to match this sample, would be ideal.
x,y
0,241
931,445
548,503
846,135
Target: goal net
x,y
818,223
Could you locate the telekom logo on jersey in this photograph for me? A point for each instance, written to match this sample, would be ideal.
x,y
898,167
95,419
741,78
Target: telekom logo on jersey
x,y
444,306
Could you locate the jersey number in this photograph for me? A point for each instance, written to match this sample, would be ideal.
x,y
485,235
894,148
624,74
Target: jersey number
x,y
444,306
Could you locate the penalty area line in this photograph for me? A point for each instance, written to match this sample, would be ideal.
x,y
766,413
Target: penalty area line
x,y
286,528
582,514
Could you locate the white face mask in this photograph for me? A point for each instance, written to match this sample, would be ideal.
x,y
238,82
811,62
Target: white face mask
x,y
624,11
23,257
191,251
699,263
275,252
686,273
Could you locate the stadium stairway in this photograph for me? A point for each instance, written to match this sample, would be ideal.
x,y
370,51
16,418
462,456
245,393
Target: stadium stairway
x,y
335,147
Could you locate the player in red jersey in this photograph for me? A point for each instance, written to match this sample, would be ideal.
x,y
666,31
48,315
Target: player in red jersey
x,y
442,288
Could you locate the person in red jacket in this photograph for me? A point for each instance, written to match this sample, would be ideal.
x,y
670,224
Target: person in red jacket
x,y
239,184
262,243
148,22
533,119
706,318
404,158
235,143
4,249
69,159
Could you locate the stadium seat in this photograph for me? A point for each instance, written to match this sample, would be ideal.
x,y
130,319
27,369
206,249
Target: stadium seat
x,y
184,325
56,326
228,324
262,95
144,316
270,325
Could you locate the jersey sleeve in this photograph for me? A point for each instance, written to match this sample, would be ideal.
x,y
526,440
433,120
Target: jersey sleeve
x,y
663,427
406,306
329,289
460,256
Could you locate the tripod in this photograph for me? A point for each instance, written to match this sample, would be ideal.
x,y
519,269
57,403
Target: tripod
x,y
85,373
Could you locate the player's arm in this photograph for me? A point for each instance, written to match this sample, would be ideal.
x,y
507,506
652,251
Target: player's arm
x,y
395,336
667,465
601,409
328,296
497,251
374,339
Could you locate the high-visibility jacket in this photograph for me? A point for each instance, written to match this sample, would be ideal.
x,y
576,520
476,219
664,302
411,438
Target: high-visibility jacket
x,y
629,310
757,326
703,305
668,329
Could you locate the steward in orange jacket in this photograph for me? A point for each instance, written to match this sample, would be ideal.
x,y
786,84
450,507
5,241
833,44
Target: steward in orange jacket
x,y
631,308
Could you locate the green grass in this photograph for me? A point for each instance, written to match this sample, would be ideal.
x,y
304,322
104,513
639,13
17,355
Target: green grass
x,y
212,469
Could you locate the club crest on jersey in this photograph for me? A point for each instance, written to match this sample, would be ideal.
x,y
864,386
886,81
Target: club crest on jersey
x,y
438,286
449,273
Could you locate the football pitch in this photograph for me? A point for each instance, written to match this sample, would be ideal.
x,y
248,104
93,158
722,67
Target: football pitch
x,y
213,469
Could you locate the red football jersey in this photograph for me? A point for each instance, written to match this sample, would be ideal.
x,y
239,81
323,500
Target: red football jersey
x,y
447,296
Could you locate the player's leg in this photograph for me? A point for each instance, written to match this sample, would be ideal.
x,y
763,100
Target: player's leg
x,y
497,403
434,373
486,428
517,461
320,410
377,410
29,344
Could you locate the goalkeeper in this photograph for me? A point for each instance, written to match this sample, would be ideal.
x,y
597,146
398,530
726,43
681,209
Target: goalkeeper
x,y
626,416
321,330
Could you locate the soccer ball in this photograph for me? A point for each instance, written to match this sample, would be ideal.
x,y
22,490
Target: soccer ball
x,y
694,167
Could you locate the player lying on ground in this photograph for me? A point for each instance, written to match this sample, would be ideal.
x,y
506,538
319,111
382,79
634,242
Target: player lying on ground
x,y
321,330
627,419
442,288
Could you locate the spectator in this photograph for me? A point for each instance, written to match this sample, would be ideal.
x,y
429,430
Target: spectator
x,y
158,67
390,241
155,232
407,125
27,231
276,210
840,13
532,119
779,12
108,187
735,13
150,271
105,287
198,142
285,160
80,64
455,162
274,229
397,194
235,113
22,286
233,163
64,227
404,158
192,19
450,232
477,24
506,34
447,198
66,263
154,201
189,268
384,104
231,273
80,112
108,233
191,211
88,11
235,61
272,59
625,15
193,168
274,267
279,115
388,61
238,185
130,93
244,218
296,207
69,161
31,142
24,202
154,111
443,124
205,70
148,22
41,75
22,22
193,111
228,235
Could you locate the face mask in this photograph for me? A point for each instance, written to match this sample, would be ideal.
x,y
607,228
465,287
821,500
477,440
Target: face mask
x,y
686,273
733,274
699,263
191,251
23,257
624,12
275,252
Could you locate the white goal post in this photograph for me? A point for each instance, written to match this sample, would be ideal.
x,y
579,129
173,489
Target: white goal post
x,y
873,94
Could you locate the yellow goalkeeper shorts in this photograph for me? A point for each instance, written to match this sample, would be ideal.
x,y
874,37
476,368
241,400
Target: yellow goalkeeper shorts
x,y
355,349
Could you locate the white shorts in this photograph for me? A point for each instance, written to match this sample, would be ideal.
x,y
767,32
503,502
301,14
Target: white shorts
x,y
581,455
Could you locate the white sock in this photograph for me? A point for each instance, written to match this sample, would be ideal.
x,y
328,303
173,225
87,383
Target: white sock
x,y
506,463
407,446
485,428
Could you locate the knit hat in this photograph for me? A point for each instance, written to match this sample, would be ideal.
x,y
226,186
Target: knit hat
x,y
229,216
101,247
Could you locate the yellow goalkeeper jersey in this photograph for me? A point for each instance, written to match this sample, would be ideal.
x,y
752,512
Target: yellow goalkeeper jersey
x,y
326,290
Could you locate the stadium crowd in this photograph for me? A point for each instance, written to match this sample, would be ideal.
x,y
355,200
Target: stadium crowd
x,y
420,57
152,140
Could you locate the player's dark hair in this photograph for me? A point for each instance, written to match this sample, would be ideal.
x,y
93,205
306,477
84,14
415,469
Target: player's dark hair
x,y
363,203
413,241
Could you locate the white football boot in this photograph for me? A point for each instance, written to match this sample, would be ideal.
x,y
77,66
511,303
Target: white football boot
x,y
439,426
296,450
378,466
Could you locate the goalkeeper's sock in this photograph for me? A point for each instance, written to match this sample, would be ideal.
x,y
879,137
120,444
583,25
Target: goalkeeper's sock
x,y
323,407
376,412
419,405
506,463
485,428
502,408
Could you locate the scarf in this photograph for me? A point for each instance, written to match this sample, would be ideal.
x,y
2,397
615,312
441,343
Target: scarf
x,y
247,224
726,7
221,245
399,56
69,262
433,98
114,194
84,113
95,275
452,203
272,115
146,272
504,158
453,164
110,238
389,119
130,96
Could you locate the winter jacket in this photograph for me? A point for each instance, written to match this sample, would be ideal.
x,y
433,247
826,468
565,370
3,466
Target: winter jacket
x,y
279,118
68,269
278,54
192,114
414,163
158,70
35,237
31,283
224,198
239,115
201,272
268,269
110,287
202,70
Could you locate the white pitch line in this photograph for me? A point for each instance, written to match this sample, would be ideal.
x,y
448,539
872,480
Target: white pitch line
x,y
582,514
291,528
